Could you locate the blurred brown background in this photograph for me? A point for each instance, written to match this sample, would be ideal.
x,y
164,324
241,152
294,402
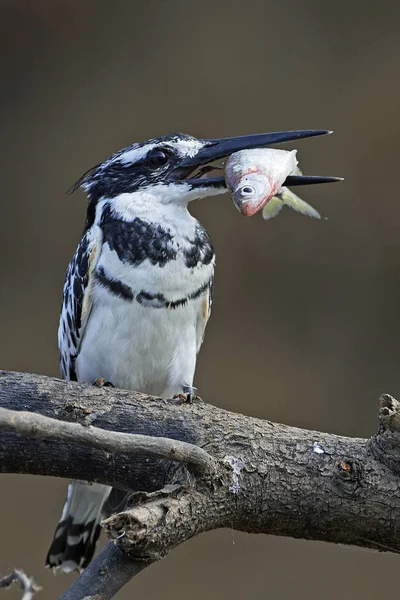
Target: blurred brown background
x,y
305,322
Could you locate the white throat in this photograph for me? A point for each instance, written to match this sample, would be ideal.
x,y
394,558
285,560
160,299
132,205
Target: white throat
x,y
162,203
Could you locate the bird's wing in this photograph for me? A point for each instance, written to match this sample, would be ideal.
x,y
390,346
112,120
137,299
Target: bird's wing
x,y
204,313
77,301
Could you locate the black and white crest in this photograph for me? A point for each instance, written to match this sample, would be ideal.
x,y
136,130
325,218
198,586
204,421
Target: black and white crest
x,y
138,165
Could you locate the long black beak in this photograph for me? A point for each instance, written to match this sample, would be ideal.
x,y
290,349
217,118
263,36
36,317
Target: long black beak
x,y
220,148
290,181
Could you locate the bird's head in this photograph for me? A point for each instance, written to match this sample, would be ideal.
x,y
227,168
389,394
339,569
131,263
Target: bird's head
x,y
173,168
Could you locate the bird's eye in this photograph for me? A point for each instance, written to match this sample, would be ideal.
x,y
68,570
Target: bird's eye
x,y
157,157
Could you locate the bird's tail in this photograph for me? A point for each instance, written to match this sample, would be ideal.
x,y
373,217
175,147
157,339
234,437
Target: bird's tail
x,y
76,534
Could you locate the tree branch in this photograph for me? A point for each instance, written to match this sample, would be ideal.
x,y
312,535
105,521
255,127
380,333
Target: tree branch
x,y
105,575
37,426
27,584
265,477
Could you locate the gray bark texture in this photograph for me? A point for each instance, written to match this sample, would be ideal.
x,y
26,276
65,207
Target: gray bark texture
x,y
251,475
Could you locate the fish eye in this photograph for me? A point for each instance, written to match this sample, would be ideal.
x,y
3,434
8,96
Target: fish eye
x,y
248,189
157,157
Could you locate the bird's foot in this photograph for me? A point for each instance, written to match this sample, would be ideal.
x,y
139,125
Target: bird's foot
x,y
188,395
101,382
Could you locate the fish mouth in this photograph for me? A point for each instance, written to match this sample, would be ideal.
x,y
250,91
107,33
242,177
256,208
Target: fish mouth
x,y
248,210
250,207
195,170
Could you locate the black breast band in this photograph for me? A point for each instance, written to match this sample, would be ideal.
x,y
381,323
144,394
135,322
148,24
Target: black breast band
x,y
123,291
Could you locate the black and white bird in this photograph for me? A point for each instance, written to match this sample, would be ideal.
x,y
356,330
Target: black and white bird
x,y
137,293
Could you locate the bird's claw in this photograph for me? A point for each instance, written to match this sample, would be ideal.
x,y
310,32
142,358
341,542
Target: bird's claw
x,y
188,395
101,382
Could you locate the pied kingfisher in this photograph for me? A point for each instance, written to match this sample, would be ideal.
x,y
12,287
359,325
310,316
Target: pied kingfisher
x,y
137,293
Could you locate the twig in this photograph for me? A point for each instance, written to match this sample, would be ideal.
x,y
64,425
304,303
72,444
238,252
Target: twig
x,y
105,575
27,584
39,426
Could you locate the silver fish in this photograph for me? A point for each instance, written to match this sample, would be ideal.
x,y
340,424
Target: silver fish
x,y
255,177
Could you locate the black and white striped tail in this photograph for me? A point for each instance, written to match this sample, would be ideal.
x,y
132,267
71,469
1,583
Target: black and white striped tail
x,y
77,532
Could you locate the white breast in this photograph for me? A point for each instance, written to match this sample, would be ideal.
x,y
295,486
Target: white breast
x,y
148,349
152,350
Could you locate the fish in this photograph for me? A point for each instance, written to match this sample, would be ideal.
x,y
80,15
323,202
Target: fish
x,y
286,197
255,180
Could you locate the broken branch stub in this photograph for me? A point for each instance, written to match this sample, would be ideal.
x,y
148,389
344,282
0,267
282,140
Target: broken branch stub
x,y
157,522
385,445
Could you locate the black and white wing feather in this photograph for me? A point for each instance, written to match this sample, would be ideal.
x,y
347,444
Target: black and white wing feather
x,y
77,301
204,314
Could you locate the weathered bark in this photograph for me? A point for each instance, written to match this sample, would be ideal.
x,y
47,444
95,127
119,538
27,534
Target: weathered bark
x,y
106,574
269,478
32,425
